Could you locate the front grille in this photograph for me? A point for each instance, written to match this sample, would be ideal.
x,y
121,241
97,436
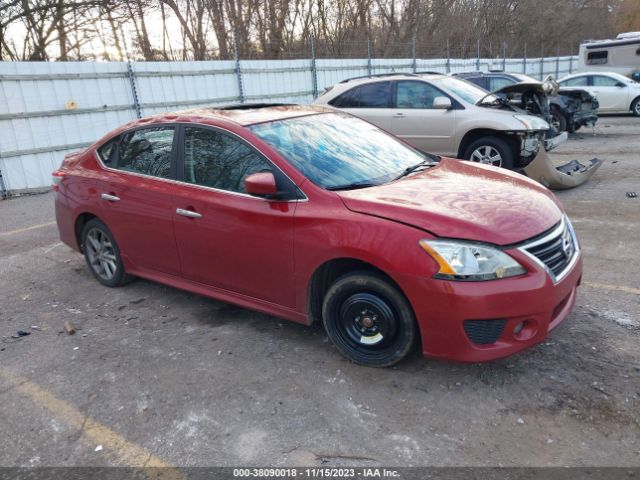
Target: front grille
x,y
555,250
484,332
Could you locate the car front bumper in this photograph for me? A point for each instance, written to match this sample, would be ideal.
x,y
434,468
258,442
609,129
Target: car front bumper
x,y
523,310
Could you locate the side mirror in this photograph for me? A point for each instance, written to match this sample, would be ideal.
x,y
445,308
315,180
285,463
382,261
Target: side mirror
x,y
442,103
261,184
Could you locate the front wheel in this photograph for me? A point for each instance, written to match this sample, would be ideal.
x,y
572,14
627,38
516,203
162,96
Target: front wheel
x,y
103,255
490,151
635,107
558,120
369,320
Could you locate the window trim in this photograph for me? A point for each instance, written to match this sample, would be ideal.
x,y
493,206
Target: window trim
x,y
301,196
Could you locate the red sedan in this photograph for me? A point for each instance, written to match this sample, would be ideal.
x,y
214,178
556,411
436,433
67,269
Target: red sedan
x,y
314,215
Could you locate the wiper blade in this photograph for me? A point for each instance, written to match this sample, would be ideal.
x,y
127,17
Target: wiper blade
x,y
352,186
413,168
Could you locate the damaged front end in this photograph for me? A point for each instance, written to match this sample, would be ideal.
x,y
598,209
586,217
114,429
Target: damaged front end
x,y
579,107
532,98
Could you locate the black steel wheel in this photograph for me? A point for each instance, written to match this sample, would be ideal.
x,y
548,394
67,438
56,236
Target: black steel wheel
x,y
103,255
369,320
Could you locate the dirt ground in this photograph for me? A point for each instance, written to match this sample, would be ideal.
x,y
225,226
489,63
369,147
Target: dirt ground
x,y
156,376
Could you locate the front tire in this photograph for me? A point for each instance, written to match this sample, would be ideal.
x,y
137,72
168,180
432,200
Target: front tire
x,y
103,255
558,120
369,320
635,107
490,151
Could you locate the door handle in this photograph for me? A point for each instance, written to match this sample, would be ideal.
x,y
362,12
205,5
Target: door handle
x,y
188,213
398,115
111,198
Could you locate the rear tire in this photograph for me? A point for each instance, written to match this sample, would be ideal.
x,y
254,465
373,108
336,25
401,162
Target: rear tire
x,y
635,107
369,320
490,151
103,255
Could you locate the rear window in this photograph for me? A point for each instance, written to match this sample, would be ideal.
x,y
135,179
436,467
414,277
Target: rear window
x,y
371,95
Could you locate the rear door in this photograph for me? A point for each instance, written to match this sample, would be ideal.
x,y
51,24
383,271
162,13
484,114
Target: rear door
x,y
226,238
371,101
135,193
414,119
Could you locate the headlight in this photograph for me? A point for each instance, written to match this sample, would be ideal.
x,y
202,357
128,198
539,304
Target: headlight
x,y
532,123
470,262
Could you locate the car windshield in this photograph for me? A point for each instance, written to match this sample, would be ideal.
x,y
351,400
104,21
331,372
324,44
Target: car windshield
x,y
467,91
336,150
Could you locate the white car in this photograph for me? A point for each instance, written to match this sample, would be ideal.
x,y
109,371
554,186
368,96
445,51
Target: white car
x,y
615,92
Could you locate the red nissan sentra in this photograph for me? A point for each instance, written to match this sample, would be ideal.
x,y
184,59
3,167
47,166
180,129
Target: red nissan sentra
x,y
314,215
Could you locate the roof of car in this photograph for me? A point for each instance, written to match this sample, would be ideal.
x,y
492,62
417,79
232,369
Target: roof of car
x,y
242,114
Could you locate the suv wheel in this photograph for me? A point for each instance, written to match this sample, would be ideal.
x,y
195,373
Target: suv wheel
x,y
103,255
490,151
369,320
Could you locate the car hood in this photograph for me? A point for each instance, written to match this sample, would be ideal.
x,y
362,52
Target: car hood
x,y
457,199
515,88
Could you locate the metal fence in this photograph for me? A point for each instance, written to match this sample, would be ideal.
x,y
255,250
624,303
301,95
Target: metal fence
x,y
49,109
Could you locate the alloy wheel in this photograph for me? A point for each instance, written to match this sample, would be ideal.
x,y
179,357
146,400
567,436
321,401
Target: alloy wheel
x,y
101,254
487,155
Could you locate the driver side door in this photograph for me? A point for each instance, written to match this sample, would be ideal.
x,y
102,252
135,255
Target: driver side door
x,y
226,238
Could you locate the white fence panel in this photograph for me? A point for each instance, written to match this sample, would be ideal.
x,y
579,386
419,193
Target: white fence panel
x,y
49,109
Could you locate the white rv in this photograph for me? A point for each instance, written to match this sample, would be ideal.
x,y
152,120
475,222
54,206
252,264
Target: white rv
x,y
621,55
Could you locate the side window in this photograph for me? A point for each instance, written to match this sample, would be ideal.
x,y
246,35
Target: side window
x,y
147,151
106,151
348,99
597,58
374,95
600,81
496,83
410,94
215,159
575,82
479,81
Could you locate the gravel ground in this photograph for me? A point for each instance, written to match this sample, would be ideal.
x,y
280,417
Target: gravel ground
x,y
159,375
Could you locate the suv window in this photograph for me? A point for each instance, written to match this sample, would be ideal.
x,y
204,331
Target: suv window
x,y
601,81
499,82
147,151
371,95
217,160
575,82
411,94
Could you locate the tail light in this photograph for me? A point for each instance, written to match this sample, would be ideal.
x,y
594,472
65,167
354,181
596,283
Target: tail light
x,y
57,178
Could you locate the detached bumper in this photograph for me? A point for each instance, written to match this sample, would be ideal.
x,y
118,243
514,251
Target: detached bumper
x,y
551,143
481,321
